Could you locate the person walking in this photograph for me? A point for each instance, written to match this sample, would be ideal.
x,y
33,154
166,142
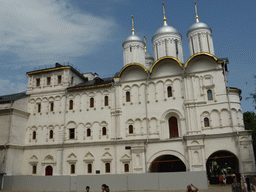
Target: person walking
x,y
236,185
189,188
87,188
248,187
103,187
224,178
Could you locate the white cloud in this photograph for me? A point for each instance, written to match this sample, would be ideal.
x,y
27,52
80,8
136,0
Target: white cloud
x,y
8,87
44,32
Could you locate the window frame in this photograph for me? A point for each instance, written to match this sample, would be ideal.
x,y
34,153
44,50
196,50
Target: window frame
x,y
169,91
51,134
104,131
38,82
128,96
34,169
126,170
39,107
88,132
34,135
59,79
89,168
107,167
209,91
106,103
130,129
72,133
71,104
92,102
206,120
51,106
73,169
48,80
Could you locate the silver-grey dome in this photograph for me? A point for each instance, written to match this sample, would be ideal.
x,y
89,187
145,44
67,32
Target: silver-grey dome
x,y
199,25
148,56
133,38
165,30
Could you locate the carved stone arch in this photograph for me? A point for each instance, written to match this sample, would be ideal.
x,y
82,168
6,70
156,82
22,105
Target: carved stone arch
x,y
32,101
34,128
234,114
126,158
215,118
168,82
142,84
167,152
57,98
91,94
71,96
71,124
88,125
33,160
88,158
106,157
72,158
194,142
127,88
49,159
45,99
38,100
105,92
51,99
171,111
153,127
129,121
104,124
225,117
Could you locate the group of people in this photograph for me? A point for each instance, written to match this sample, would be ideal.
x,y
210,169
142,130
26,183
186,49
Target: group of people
x,y
237,187
104,188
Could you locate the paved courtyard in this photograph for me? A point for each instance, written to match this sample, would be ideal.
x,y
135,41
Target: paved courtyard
x,y
213,188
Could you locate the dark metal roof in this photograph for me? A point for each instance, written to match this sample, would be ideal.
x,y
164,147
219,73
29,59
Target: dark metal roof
x,y
93,83
12,97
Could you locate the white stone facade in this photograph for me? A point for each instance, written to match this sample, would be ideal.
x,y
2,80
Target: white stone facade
x,y
80,125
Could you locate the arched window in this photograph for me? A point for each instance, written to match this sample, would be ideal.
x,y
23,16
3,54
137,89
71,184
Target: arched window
x,y
126,167
51,106
39,107
206,122
107,167
173,127
48,170
51,134
128,96
72,169
71,105
34,135
130,129
130,49
91,102
104,131
88,132
209,94
89,168
106,100
169,91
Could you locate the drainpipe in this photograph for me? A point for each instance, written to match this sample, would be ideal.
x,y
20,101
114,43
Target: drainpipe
x,y
186,116
115,129
64,124
8,138
232,124
146,110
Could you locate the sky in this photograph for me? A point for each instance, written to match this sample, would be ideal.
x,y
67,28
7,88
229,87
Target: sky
x,y
36,34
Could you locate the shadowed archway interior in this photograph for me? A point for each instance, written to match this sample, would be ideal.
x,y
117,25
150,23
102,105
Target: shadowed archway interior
x,y
167,163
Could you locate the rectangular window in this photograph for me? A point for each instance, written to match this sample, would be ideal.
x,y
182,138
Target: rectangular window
x,y
38,82
73,169
71,133
59,79
39,107
34,169
89,166
107,167
48,80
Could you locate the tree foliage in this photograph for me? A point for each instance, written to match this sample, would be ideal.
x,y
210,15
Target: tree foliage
x,y
250,124
253,96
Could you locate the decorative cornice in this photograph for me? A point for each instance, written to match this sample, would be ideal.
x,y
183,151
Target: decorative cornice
x,y
89,87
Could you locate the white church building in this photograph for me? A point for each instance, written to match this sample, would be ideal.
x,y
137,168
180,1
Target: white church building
x,y
157,114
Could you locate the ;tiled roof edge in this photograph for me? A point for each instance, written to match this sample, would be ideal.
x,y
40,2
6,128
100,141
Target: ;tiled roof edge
x,y
12,97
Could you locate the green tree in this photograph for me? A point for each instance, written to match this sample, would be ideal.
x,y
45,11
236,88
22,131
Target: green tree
x,y
253,96
250,124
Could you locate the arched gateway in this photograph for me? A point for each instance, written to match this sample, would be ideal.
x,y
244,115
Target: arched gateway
x,y
167,163
219,161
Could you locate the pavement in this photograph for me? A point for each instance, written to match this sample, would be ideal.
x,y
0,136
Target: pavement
x,y
212,188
